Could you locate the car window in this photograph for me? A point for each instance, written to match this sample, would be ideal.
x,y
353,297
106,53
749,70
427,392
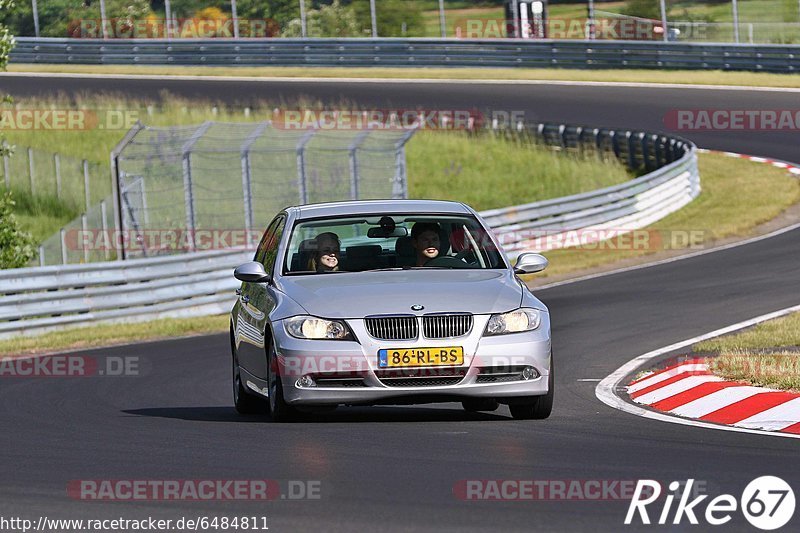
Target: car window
x,y
375,243
267,250
266,240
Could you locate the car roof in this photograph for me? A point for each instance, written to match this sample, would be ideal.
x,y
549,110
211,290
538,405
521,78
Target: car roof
x,y
372,207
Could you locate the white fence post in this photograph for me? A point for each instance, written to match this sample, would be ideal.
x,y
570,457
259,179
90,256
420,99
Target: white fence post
x,y
63,234
86,189
84,229
57,163
104,229
31,172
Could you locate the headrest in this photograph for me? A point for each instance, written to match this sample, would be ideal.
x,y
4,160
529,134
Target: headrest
x,y
369,250
403,247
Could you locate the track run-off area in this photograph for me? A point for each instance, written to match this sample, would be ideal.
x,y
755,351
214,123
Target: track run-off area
x,y
402,468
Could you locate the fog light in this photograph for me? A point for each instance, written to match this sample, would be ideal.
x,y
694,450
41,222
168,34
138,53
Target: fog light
x,y
529,373
305,382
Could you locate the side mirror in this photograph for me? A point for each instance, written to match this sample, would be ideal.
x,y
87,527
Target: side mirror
x,y
529,263
252,272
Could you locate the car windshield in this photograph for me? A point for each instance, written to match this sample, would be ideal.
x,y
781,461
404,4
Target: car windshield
x,y
389,242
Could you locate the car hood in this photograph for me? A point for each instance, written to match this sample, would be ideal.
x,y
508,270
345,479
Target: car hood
x,y
359,294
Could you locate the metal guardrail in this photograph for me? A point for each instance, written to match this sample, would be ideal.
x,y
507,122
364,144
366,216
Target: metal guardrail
x,y
39,299
673,181
396,52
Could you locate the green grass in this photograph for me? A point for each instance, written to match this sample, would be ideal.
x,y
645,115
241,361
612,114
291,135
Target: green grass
x,y
778,333
719,212
778,370
711,77
491,171
108,335
766,355
41,215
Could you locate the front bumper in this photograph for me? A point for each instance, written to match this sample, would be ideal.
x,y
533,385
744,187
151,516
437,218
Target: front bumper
x,y
357,362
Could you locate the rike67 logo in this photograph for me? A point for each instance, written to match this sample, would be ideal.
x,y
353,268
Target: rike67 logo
x,y
767,503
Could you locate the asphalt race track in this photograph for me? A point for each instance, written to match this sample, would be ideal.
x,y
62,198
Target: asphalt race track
x,y
394,468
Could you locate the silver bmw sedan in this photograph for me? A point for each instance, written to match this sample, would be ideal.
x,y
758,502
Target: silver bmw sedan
x,y
387,302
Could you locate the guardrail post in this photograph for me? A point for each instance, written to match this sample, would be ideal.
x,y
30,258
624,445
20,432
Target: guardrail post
x,y
86,190
104,229
63,239
41,255
57,164
31,171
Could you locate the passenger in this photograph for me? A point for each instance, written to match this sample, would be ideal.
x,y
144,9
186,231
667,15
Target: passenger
x,y
326,257
425,241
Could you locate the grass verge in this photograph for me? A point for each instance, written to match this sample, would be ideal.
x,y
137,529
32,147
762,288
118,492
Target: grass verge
x,y
766,355
781,332
111,334
684,77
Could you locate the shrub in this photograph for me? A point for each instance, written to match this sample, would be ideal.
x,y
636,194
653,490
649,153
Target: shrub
x,y
16,246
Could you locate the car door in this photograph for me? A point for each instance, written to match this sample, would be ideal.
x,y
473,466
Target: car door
x,y
256,302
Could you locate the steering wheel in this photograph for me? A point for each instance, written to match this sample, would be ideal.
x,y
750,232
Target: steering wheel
x,y
447,261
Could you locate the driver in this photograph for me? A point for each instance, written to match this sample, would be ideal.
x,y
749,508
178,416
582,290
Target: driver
x,y
425,241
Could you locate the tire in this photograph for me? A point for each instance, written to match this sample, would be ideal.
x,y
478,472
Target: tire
x,y
244,402
475,405
536,407
279,410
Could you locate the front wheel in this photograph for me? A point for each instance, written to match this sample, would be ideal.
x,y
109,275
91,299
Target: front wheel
x,y
279,410
536,407
244,402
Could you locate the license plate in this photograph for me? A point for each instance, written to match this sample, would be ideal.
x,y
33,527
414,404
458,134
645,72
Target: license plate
x,y
404,357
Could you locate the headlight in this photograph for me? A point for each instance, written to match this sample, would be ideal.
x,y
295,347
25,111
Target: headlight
x,y
310,327
513,322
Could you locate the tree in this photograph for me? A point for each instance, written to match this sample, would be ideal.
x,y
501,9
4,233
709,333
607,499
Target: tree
x,y
395,18
332,20
16,246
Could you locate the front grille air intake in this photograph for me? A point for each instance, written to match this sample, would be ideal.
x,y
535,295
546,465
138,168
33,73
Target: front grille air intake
x,y
392,328
446,326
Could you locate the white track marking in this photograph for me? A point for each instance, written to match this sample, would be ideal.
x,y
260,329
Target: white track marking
x,y
606,390
682,385
774,419
716,400
663,376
